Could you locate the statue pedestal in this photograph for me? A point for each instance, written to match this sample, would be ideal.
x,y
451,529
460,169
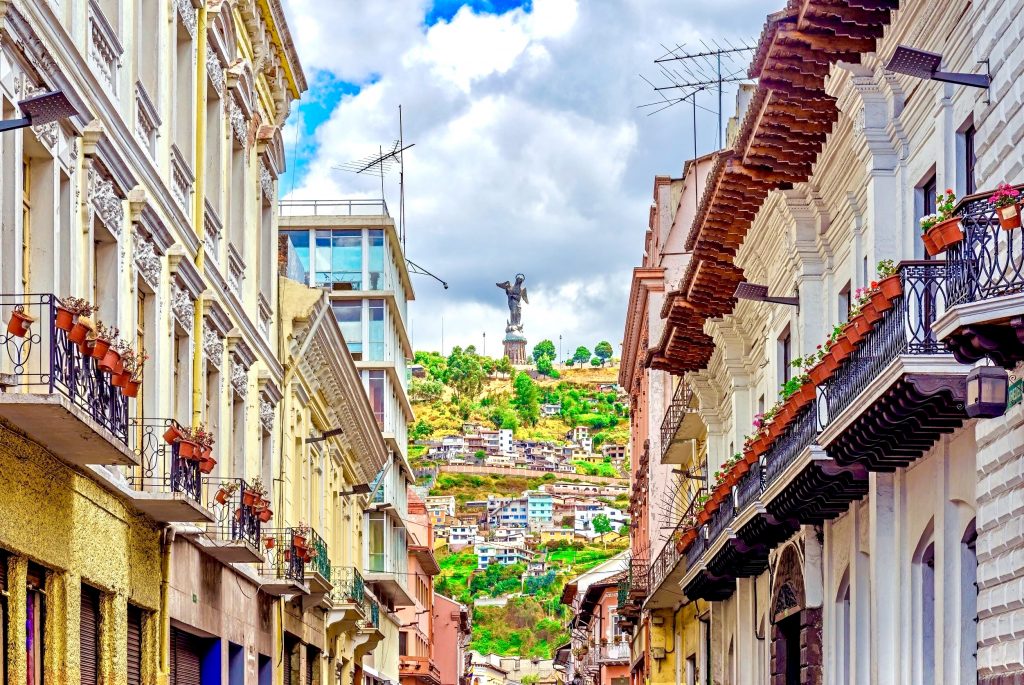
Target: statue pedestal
x,y
515,348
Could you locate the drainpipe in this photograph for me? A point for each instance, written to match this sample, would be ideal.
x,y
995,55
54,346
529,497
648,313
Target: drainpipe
x,y
198,213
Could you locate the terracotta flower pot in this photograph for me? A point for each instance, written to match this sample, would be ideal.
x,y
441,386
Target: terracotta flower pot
x,y
85,347
741,468
807,392
19,324
188,450
861,323
270,543
891,287
299,541
65,319
222,496
1009,216
120,379
759,447
880,302
852,334
111,362
100,347
750,457
173,433
842,348
206,464
703,516
250,497
131,388
819,373
266,515
78,332
871,315
939,237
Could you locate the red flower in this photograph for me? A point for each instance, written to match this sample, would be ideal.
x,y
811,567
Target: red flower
x,y
874,284
949,191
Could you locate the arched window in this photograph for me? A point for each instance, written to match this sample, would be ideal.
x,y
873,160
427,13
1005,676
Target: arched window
x,y
923,611
842,631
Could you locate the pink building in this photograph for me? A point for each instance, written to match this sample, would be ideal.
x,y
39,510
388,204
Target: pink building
x,y
451,636
415,637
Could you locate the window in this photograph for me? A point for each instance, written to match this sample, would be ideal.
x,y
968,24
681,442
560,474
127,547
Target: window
x,y
212,400
376,333
923,598
183,93
236,664
237,196
182,371
296,247
140,342
403,641
148,62
375,389
844,303
237,436
844,642
35,623
376,260
349,314
969,160
785,356
134,651
928,191
339,259
375,542
214,144
26,223
969,605
789,634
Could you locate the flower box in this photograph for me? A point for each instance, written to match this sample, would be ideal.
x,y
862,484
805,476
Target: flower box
x,y
81,328
120,379
821,371
842,348
207,464
250,498
188,450
173,434
880,302
871,314
861,324
299,541
131,388
99,348
222,496
266,515
751,457
740,469
942,235
111,362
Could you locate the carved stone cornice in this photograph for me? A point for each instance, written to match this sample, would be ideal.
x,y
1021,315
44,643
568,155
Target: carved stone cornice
x,y
239,377
147,261
213,346
182,306
104,202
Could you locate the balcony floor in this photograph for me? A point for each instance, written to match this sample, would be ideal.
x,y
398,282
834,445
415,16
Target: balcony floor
x,y
231,551
169,507
64,429
991,328
279,587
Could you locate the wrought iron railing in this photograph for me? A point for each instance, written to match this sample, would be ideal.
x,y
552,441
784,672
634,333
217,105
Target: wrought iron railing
x,y
906,329
750,486
237,510
348,587
638,576
800,433
160,468
44,360
283,558
722,517
677,409
372,619
695,550
669,555
989,262
319,561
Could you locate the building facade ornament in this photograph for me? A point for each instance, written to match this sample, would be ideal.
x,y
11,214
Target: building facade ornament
x,y
239,378
266,182
266,414
147,260
215,71
182,306
239,126
213,346
188,16
104,202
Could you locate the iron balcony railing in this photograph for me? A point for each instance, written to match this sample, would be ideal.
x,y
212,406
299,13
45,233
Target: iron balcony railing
x,y
319,561
160,468
352,207
905,329
677,409
44,360
284,558
989,262
372,620
638,576
236,508
348,587
669,555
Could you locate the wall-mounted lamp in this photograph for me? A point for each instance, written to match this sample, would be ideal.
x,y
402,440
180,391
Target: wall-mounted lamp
x,y
925,65
759,293
987,391
360,489
40,110
326,434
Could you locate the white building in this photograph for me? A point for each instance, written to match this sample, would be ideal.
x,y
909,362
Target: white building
x,y
441,505
505,441
463,535
490,553
583,518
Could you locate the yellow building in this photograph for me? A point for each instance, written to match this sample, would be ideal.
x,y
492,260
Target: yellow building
x,y
548,535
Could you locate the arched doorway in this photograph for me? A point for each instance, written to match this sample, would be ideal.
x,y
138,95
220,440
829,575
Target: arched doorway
x,y
796,629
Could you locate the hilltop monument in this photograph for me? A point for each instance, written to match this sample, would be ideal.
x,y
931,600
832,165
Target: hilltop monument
x,y
515,342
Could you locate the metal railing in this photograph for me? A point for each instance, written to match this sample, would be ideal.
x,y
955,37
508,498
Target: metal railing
x,y
344,207
677,409
669,555
989,262
160,468
283,558
44,360
348,587
236,508
319,561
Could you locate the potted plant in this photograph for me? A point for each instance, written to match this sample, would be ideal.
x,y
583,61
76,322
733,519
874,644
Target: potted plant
x,y
889,279
266,514
1006,201
942,229
111,362
839,343
270,542
225,491
131,377
824,366
204,439
80,312
20,321
704,513
254,493
105,337
300,535
173,433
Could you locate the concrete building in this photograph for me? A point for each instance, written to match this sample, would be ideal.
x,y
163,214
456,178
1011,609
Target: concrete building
x,y
897,569
539,508
452,631
461,536
584,515
416,646
506,554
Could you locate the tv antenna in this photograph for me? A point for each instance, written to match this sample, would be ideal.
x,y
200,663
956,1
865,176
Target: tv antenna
x,y
380,165
686,72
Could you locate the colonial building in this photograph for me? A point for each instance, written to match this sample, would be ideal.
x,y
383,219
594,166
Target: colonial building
x,y
860,527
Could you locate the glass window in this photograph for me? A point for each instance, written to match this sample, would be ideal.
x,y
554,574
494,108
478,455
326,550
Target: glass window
x,y
970,161
375,554
296,246
349,314
35,620
339,258
376,260
376,392
376,348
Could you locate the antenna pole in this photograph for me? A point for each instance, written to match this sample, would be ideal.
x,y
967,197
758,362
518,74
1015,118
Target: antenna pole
x,y
719,101
401,179
381,157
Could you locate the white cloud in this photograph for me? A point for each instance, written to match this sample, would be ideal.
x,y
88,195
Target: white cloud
x,y
530,154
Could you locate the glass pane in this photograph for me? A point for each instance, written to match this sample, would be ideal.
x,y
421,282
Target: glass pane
x,y
376,543
296,255
376,260
376,383
323,258
350,319
376,333
348,258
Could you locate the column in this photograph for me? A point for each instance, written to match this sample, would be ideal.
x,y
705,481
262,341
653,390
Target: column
x,y
884,567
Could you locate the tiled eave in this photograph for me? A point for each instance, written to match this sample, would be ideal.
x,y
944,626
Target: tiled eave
x,y
786,124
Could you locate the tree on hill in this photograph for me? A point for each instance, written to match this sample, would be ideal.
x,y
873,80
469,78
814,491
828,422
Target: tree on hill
x,y
504,365
420,430
435,364
602,525
479,455
425,389
545,348
465,374
526,399
604,351
596,362
503,416
546,368
581,356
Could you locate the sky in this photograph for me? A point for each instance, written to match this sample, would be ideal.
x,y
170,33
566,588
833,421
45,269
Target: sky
x,y
531,153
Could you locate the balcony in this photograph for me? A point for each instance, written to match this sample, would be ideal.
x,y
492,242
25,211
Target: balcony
x,y
318,570
283,570
986,288
884,406
54,392
369,633
236,537
419,667
614,653
666,570
632,591
682,429
165,486
349,602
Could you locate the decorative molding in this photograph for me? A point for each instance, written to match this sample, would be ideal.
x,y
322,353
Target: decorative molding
x,y
187,13
147,119
182,306
239,377
105,50
104,201
215,72
239,126
182,179
236,271
213,346
266,414
212,229
266,182
147,260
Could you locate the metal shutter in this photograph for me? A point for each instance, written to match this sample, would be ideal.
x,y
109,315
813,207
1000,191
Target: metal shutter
x,y
134,645
186,651
88,635
287,665
311,656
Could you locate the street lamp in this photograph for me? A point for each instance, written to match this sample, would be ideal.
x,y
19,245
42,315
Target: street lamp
x,y
987,389
40,110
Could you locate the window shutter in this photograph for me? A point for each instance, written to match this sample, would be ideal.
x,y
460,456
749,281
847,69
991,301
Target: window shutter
x,y
311,656
88,632
134,645
287,665
185,658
